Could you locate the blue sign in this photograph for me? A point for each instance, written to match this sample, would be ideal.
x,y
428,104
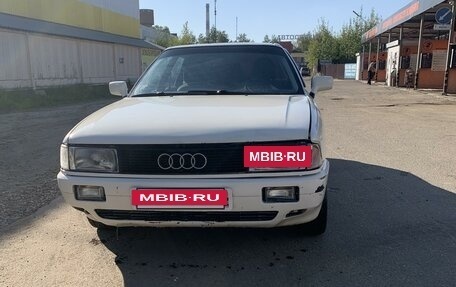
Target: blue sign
x,y
443,15
350,71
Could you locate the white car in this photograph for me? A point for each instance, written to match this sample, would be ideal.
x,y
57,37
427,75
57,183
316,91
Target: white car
x,y
221,135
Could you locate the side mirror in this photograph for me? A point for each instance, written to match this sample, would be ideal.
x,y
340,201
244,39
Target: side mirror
x,y
321,83
118,88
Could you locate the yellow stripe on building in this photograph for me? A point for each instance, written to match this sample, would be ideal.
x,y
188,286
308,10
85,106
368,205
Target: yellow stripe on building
x,y
74,13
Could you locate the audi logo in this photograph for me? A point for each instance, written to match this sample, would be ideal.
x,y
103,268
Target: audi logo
x,y
178,161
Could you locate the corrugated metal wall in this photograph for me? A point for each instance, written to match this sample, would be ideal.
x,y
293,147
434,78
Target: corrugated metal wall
x,y
14,67
33,60
54,61
126,57
97,62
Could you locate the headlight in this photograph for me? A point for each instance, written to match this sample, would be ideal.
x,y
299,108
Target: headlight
x,y
64,157
93,159
317,159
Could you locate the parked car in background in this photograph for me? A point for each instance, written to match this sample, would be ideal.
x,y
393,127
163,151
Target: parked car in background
x,y
305,71
221,135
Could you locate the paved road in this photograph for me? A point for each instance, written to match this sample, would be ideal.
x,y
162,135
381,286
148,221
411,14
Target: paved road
x,y
29,158
392,214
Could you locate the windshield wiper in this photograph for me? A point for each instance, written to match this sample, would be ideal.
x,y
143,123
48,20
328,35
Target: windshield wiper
x,y
190,92
214,92
157,94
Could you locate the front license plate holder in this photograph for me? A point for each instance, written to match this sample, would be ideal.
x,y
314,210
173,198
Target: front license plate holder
x,y
180,198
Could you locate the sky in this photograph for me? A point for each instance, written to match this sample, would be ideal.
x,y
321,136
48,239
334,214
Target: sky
x,y
258,18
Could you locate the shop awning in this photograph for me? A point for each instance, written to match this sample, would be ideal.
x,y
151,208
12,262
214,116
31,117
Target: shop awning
x,y
411,10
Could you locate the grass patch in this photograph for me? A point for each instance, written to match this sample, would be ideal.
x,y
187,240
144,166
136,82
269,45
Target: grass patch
x,y
29,99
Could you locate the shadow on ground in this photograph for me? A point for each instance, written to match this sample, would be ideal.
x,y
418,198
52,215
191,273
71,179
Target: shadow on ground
x,y
386,228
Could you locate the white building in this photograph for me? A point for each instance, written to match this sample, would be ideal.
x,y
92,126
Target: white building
x,y
54,42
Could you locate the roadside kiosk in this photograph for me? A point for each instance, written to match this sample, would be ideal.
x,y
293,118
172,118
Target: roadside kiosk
x,y
420,38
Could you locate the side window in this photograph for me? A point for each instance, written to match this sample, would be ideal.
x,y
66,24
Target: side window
x,y
426,60
381,64
405,62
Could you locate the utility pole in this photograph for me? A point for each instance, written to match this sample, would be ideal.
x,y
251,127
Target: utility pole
x,y
236,28
362,46
215,14
207,21
450,49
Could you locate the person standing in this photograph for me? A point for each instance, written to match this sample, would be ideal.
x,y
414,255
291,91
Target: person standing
x,y
371,72
409,78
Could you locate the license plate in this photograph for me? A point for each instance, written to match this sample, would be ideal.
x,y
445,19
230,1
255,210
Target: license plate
x,y
179,198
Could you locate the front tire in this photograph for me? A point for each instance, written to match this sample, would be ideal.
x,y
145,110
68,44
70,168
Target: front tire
x,y
318,225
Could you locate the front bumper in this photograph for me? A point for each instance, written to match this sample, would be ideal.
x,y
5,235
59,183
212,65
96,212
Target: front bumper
x,y
246,206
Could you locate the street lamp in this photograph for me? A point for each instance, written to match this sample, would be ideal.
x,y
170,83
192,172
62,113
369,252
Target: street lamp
x,y
359,16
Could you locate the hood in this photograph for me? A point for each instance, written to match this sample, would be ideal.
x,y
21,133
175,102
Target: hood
x,y
196,119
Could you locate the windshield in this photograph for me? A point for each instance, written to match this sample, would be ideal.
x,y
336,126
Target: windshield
x,y
220,70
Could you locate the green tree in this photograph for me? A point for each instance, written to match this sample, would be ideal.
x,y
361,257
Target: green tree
x,y
164,37
186,37
215,36
273,39
349,38
243,38
323,46
202,39
303,41
349,42
342,47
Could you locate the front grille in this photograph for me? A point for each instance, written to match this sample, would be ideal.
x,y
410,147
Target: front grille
x,y
222,158
143,159
214,216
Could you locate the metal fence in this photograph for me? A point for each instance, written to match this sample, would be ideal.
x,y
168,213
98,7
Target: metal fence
x,y
339,71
